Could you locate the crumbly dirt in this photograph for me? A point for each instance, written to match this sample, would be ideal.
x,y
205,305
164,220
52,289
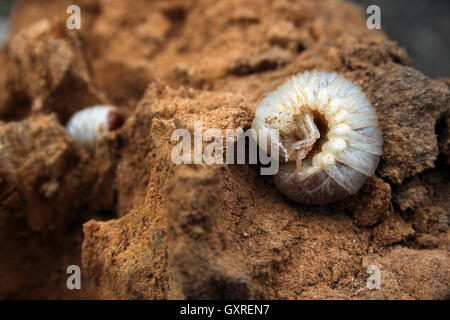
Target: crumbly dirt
x,y
142,227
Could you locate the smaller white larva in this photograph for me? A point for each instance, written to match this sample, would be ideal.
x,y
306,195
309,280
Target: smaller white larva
x,y
330,142
88,124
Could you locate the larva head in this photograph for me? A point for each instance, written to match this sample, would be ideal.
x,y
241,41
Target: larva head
x,y
326,125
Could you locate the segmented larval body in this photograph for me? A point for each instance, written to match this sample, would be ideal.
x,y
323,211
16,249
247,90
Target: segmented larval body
x,y
330,142
88,124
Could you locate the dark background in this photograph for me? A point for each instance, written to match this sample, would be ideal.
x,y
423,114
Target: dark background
x,y
422,27
5,6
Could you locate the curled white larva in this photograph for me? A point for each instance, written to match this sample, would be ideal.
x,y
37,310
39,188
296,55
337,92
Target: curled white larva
x,y
88,124
329,143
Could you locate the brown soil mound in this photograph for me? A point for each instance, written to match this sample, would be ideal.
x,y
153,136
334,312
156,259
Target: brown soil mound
x,y
157,230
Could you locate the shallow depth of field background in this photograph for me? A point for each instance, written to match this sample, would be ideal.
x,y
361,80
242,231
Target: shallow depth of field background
x,y
422,27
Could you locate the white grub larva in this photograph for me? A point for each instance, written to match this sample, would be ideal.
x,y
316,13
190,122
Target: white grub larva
x,y
330,142
88,124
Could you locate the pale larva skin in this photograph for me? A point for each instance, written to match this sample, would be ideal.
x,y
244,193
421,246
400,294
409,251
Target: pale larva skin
x,y
321,167
88,124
